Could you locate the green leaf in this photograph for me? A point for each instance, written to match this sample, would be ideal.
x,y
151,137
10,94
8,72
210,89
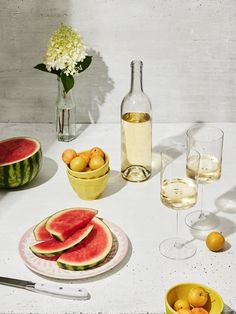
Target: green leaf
x,y
42,67
81,66
67,81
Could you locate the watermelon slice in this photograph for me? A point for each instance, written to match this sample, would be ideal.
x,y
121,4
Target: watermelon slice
x,y
40,232
65,222
54,247
91,251
20,161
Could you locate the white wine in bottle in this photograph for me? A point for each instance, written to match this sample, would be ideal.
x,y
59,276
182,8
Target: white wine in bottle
x,y
136,130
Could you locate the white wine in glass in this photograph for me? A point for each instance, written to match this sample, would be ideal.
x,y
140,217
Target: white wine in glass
x,y
209,142
209,170
177,191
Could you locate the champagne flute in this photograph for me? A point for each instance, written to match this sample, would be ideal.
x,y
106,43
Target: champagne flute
x,y
177,191
209,142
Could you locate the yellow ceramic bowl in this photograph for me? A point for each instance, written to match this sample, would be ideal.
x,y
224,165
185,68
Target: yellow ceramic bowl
x,y
93,173
89,189
214,304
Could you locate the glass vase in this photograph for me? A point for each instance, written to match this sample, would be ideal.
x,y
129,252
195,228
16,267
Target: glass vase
x,y
65,115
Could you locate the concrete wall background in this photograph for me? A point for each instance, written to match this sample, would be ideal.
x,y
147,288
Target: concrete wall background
x,y
188,48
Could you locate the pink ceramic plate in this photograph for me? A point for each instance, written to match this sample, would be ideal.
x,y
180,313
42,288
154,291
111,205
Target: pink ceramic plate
x,y
50,268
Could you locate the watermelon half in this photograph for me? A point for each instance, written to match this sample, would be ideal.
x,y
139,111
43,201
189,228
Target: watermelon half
x,y
89,252
20,161
64,223
54,247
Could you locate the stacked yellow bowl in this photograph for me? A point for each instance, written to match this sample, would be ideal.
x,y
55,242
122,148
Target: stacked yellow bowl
x,y
182,293
89,185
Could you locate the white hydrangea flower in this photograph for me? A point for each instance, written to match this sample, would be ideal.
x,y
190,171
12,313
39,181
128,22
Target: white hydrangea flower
x,y
65,50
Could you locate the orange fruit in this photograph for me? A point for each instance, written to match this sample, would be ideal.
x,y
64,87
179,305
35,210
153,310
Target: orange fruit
x,y
96,162
215,241
86,156
68,155
97,151
199,310
181,304
78,164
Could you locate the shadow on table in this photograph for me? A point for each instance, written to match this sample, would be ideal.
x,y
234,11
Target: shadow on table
x,y
115,184
81,129
48,170
3,193
226,226
228,310
227,201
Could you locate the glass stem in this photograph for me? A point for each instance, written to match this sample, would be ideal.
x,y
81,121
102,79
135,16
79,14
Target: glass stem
x,y
201,213
177,244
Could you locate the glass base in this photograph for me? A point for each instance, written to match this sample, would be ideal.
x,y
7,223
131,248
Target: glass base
x,y
176,248
136,173
65,137
201,221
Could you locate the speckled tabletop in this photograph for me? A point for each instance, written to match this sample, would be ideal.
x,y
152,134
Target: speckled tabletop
x,y
139,283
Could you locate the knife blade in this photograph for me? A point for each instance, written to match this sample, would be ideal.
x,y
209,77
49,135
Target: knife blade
x,y
57,290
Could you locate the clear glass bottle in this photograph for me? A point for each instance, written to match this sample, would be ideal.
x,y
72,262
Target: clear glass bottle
x,y
65,115
136,130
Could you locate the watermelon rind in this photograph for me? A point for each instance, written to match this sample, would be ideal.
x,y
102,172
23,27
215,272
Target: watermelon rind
x,y
60,247
40,233
57,221
22,171
64,260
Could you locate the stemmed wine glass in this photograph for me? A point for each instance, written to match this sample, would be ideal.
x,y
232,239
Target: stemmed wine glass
x,y
208,141
177,191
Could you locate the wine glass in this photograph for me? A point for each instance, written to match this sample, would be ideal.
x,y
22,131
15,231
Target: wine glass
x,y
177,191
208,141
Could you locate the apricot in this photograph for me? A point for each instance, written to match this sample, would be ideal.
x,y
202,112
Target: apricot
x,y
215,241
68,155
197,296
96,162
181,304
86,156
199,310
78,164
97,151
184,311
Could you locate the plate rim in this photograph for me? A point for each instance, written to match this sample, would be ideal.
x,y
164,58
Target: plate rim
x,y
120,254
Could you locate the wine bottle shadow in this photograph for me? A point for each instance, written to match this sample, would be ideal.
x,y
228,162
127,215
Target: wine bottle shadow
x,y
174,144
226,202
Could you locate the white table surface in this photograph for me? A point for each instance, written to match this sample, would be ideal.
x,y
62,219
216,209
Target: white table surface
x,y
139,284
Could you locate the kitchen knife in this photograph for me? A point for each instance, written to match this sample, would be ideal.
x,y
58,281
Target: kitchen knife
x,y
56,290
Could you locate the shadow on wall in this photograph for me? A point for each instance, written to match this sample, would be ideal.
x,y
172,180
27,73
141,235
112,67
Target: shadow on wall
x,y
28,26
92,87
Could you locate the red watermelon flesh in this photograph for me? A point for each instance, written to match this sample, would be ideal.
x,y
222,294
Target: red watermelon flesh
x,y
54,247
91,251
48,258
41,233
65,222
16,149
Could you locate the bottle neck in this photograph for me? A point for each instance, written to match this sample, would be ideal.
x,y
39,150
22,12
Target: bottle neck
x,y
136,76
